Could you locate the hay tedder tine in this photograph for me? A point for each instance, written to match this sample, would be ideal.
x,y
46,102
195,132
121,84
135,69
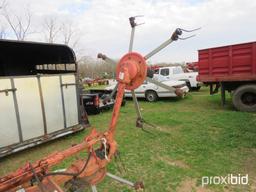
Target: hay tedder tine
x,y
175,36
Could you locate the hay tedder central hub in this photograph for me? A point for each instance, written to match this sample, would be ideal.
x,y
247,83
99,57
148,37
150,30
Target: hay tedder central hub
x,y
131,70
101,147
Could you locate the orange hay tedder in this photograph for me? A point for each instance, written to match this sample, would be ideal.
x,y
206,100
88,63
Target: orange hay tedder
x,y
131,72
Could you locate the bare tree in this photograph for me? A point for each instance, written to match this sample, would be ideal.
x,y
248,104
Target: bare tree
x,y
20,25
67,32
3,4
70,35
2,26
2,32
51,29
90,67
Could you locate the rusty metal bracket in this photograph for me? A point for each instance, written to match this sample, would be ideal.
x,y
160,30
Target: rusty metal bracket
x,y
6,91
39,183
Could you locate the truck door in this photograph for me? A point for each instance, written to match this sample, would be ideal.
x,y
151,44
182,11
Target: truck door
x,y
140,91
178,73
164,74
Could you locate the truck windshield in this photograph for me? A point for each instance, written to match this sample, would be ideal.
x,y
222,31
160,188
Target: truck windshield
x,y
177,70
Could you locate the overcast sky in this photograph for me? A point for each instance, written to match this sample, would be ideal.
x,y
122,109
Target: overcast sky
x,y
102,26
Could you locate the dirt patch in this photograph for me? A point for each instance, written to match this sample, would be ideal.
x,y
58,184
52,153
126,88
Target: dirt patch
x,y
190,185
176,163
169,129
250,169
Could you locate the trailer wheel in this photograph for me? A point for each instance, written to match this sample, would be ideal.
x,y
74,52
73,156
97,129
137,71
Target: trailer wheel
x,y
151,96
244,98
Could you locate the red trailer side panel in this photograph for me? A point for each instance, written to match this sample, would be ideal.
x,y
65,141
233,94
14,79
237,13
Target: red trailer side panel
x,y
228,63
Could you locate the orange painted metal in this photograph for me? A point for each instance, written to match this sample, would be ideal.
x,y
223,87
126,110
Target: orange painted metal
x,y
134,66
131,72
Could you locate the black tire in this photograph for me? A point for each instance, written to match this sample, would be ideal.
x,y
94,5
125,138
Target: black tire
x,y
97,111
244,98
151,96
189,86
123,102
196,88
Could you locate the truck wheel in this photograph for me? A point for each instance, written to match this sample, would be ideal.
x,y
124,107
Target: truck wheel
x,y
151,96
97,111
123,102
244,98
189,85
196,88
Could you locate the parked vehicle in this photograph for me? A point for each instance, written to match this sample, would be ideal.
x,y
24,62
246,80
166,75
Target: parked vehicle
x,y
97,100
39,99
87,80
233,69
177,73
152,92
191,67
98,81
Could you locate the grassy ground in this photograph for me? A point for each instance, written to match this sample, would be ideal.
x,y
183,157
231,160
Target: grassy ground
x,y
194,137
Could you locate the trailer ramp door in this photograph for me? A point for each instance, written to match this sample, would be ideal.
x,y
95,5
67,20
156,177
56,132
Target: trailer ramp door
x,y
8,124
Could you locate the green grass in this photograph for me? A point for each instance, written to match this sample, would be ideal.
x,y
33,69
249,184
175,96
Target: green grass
x,y
194,137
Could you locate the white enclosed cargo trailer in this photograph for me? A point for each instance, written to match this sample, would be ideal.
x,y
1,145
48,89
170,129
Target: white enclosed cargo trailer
x,y
39,95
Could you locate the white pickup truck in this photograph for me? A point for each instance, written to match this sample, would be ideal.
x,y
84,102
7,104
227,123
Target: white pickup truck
x,y
177,73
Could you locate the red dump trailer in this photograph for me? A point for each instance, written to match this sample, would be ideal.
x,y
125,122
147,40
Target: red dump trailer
x,y
231,68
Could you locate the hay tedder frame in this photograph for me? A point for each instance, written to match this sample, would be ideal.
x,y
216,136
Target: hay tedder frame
x,y
101,146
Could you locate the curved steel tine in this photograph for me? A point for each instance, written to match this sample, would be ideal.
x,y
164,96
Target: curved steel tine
x,y
175,36
185,30
184,38
139,16
133,23
140,24
149,132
